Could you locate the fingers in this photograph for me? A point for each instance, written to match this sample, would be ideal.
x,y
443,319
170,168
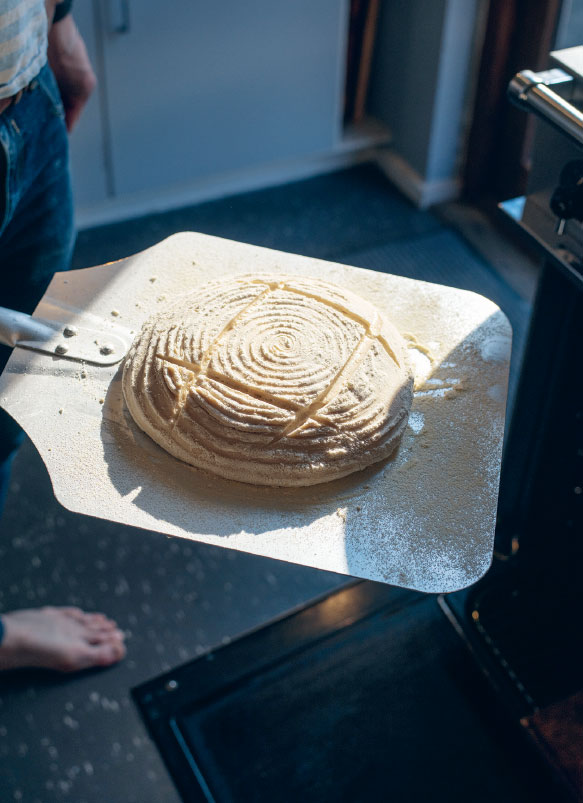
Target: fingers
x,y
72,115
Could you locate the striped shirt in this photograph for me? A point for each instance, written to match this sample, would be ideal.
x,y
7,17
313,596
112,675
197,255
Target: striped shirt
x,y
23,43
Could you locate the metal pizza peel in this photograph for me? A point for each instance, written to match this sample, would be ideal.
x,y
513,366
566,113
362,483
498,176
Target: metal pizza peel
x,y
423,519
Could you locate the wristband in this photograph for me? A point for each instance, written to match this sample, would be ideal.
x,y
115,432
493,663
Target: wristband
x,y
61,10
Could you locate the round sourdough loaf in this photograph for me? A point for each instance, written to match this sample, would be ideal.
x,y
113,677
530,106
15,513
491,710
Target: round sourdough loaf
x,y
271,380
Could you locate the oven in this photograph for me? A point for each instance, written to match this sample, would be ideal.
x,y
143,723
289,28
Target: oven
x,y
523,620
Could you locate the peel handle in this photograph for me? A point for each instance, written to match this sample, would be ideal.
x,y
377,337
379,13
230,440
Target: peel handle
x,y
16,326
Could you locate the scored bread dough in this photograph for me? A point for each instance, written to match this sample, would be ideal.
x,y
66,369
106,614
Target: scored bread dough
x,y
271,380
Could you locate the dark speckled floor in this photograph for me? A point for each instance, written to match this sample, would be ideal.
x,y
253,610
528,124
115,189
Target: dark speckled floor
x,y
80,738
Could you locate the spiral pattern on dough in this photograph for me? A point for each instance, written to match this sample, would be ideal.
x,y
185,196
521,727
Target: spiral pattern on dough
x,y
272,380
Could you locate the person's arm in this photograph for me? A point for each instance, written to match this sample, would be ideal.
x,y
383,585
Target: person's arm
x,y
70,64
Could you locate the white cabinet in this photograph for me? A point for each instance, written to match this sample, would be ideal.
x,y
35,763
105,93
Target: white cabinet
x,y
200,99
191,90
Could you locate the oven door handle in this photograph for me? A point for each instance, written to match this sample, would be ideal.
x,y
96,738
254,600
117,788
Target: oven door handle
x,y
532,92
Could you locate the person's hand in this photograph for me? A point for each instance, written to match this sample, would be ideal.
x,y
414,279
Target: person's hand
x,y
70,64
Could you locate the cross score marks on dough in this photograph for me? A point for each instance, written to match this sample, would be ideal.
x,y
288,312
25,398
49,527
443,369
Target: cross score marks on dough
x,y
303,414
271,380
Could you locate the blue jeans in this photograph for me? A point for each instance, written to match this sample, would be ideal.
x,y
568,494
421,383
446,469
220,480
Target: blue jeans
x,y
36,215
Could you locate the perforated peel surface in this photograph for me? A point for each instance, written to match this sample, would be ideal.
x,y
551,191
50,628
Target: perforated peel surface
x,y
272,380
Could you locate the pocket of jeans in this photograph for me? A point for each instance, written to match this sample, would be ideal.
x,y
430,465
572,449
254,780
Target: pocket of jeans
x,y
49,86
